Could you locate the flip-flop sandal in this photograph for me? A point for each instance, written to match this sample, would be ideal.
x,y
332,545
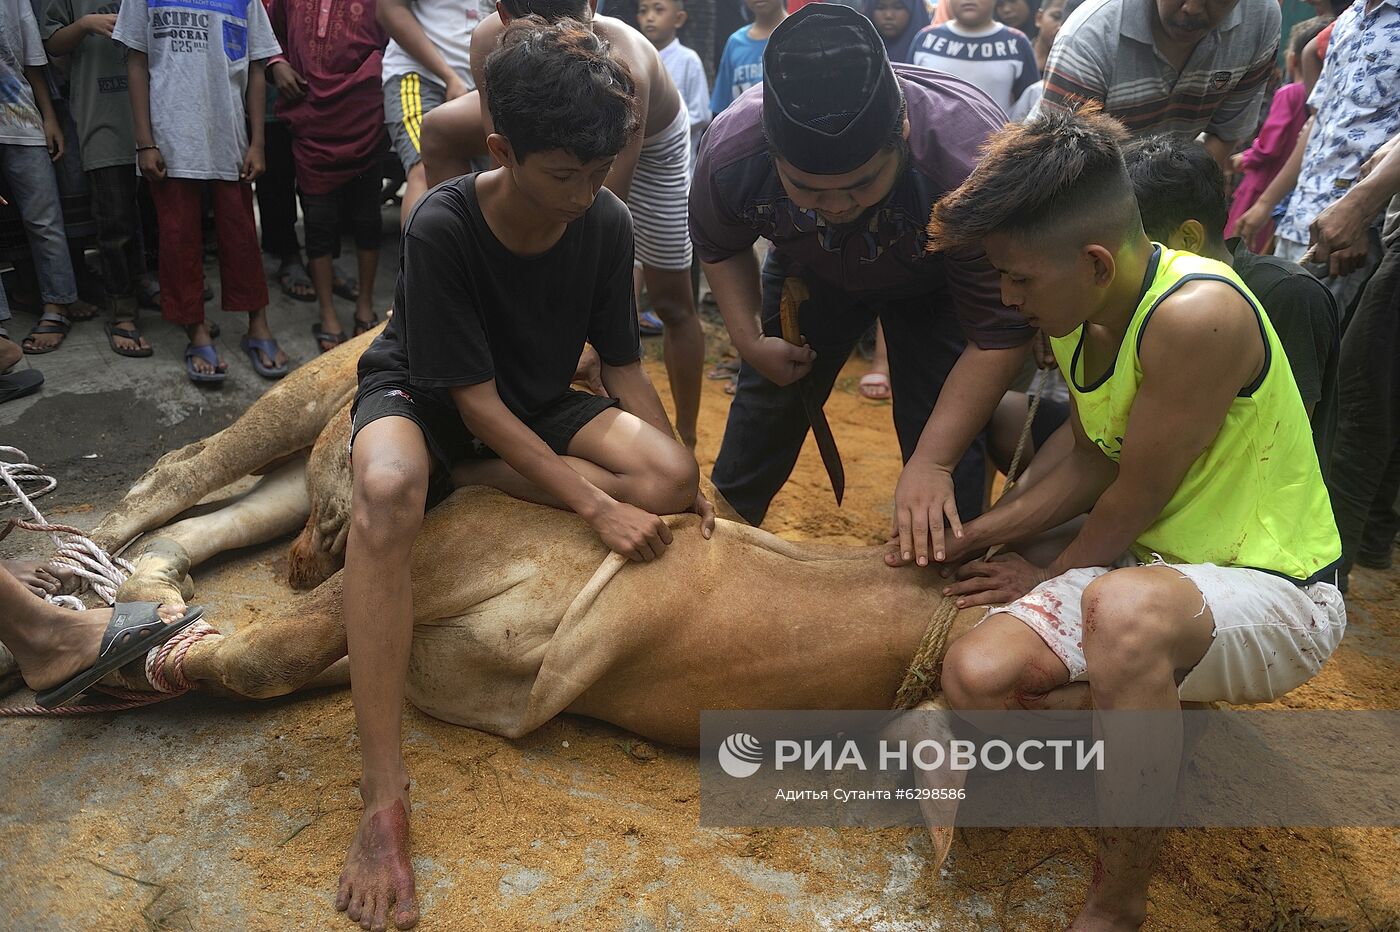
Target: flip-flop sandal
x,y
324,336
210,355
724,369
364,326
255,349
649,324
45,326
293,275
875,386
135,628
21,383
344,286
134,334
732,386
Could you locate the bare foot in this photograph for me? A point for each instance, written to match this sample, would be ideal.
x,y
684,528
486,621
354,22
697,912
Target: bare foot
x,y
42,579
377,882
52,645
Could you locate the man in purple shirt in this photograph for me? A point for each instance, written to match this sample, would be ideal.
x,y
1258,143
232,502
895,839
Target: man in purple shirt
x,y
836,160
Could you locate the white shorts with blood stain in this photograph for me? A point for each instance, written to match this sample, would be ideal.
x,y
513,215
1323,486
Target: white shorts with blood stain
x,y
1271,634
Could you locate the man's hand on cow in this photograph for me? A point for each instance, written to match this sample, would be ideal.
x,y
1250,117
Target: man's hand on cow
x,y
997,580
635,534
706,510
779,361
922,499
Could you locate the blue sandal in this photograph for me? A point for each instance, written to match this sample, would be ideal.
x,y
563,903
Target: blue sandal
x,y
649,324
210,355
255,349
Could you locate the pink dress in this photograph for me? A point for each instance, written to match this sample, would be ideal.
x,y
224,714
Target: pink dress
x,y
1263,160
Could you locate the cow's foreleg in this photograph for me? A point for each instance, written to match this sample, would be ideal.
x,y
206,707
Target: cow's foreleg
x,y
281,651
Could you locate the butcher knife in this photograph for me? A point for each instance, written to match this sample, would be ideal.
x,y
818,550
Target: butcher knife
x,y
794,294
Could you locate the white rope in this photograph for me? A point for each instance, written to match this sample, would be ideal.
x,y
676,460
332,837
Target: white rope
x,y
98,572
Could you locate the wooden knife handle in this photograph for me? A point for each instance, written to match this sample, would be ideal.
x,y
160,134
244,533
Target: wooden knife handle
x,y
794,294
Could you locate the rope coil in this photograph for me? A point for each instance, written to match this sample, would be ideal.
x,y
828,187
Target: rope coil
x,y
100,573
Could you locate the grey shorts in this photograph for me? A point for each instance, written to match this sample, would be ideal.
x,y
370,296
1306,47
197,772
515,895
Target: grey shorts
x,y
407,99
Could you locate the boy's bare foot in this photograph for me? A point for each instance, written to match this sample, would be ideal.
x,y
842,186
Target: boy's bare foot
x,y
377,883
42,579
52,645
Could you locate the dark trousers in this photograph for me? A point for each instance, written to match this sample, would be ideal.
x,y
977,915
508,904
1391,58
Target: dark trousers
x,y
118,217
1365,474
767,423
276,188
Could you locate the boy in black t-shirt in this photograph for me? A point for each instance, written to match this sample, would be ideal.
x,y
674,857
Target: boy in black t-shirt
x,y
503,276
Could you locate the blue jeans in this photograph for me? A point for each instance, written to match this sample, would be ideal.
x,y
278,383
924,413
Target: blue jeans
x,y
34,189
767,423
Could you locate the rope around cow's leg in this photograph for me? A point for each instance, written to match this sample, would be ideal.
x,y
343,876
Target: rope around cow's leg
x,y
164,671
925,673
104,575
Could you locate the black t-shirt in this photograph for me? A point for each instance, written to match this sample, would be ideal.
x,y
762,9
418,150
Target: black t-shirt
x,y
1304,314
468,310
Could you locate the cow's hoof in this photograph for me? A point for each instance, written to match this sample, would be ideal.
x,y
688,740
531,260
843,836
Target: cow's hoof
x,y
161,575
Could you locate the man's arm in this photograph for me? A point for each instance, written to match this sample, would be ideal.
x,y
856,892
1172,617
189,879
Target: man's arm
x,y
255,101
37,76
625,529
1339,233
924,496
630,386
66,39
735,283
403,27
138,79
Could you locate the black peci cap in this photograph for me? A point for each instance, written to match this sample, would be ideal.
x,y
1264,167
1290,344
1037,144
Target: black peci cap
x,y
830,98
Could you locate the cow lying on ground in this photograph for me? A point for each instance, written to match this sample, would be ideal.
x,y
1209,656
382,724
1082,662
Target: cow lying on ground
x,y
521,613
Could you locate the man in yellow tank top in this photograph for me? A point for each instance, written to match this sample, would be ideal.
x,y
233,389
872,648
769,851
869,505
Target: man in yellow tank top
x,y
1205,569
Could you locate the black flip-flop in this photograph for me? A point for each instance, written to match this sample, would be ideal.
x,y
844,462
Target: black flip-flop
x,y
135,628
18,384
323,335
134,334
47,325
364,326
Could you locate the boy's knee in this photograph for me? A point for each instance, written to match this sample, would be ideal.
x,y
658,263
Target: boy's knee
x,y
673,479
389,496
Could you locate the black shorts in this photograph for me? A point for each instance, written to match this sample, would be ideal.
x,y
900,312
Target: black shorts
x,y
448,439
352,208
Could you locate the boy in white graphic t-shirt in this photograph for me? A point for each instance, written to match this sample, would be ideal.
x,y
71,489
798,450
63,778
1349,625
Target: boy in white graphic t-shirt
x,y
997,59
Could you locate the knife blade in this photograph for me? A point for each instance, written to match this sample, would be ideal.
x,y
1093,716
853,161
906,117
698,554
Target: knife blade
x,y
794,294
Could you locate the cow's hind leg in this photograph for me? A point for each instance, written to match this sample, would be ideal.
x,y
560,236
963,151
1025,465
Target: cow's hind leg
x,y
284,421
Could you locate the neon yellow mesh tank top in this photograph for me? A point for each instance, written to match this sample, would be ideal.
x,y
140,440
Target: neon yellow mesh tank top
x,y
1255,498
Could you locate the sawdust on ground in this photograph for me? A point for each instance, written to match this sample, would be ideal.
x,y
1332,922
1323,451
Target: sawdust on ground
x,y
580,820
